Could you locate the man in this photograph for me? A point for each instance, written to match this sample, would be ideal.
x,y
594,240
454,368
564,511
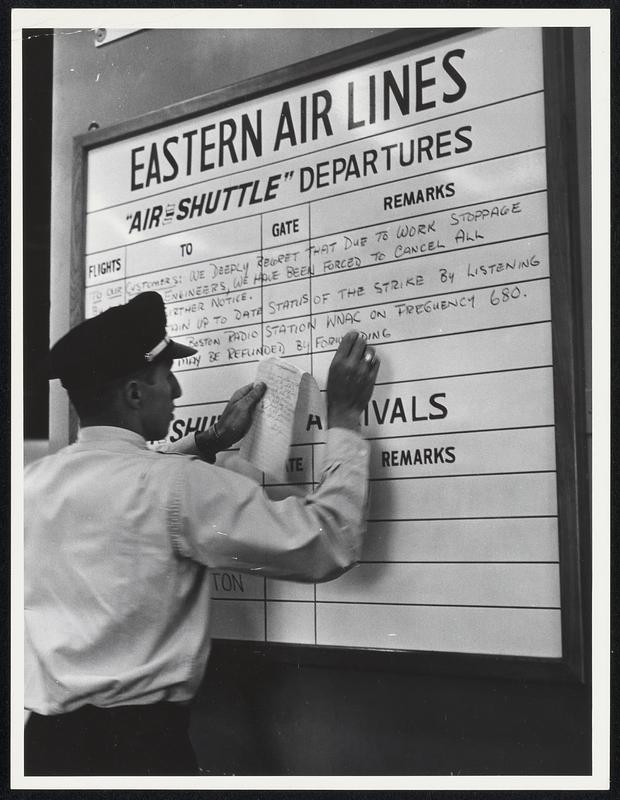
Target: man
x,y
118,540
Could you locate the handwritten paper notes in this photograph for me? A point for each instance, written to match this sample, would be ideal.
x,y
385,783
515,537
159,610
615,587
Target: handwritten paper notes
x,y
291,395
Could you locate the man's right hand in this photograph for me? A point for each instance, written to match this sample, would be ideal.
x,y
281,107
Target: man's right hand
x,y
350,381
233,424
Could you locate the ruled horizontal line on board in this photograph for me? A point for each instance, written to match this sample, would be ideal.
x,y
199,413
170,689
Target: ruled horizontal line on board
x,y
459,433
466,519
460,375
436,433
316,276
236,598
311,153
432,477
460,519
337,194
412,380
462,475
467,563
392,341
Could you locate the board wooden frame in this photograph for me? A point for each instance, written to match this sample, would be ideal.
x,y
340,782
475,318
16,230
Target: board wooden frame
x,y
567,336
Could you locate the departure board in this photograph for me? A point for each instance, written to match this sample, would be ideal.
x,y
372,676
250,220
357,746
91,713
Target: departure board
x,y
405,197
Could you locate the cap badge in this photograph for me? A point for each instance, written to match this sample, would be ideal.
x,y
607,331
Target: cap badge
x,y
157,349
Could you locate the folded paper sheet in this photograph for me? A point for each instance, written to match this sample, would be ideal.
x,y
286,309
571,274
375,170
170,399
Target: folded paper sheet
x,y
291,395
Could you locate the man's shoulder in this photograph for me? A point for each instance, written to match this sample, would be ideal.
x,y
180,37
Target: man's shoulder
x,y
45,461
82,455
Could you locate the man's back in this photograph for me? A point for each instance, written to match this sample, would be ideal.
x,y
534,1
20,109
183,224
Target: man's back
x,y
118,539
113,615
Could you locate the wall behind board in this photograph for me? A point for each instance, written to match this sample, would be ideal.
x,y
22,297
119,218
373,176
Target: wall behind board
x,y
254,715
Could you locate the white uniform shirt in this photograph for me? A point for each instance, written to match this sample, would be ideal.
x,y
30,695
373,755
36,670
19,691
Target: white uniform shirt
x,y
117,537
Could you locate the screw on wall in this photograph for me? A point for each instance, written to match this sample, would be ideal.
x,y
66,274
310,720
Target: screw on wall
x,y
94,126
105,36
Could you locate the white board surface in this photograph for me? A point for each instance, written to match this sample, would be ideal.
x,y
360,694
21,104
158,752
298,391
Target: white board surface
x,y
406,198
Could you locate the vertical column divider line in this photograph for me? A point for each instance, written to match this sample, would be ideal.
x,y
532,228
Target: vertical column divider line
x,y
312,445
262,308
125,278
310,289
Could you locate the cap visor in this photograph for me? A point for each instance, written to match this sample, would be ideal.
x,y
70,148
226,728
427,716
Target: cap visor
x,y
176,350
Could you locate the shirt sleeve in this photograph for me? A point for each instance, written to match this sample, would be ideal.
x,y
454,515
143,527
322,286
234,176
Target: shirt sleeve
x,y
186,446
226,521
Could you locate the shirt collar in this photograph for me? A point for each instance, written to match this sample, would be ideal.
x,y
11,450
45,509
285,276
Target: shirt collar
x,y
110,433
